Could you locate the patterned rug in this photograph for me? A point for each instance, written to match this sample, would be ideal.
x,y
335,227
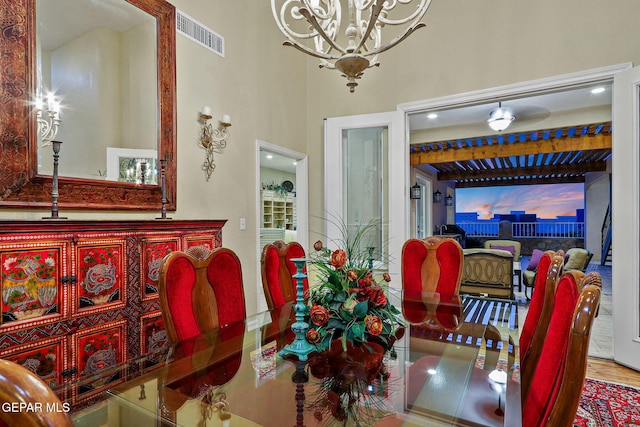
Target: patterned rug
x,y
606,404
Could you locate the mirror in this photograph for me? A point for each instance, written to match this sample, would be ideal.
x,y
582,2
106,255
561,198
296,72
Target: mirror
x,y
117,107
97,60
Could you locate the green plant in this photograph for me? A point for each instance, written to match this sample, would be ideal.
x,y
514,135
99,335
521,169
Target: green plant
x,y
348,302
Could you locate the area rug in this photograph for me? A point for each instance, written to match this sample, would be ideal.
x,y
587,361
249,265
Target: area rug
x,y
606,404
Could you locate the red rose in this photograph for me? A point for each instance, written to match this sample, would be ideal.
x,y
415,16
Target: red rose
x,y
365,282
317,245
319,315
373,325
338,258
377,297
313,336
352,275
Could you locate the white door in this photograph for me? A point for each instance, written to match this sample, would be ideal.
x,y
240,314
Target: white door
x,y
423,213
625,218
366,180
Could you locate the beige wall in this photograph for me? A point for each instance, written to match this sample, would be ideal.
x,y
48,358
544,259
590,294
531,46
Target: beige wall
x,y
278,95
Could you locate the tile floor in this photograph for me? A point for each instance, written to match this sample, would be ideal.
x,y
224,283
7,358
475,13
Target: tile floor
x,y
601,343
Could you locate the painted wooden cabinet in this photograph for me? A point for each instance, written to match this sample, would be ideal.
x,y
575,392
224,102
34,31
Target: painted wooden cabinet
x,y
79,297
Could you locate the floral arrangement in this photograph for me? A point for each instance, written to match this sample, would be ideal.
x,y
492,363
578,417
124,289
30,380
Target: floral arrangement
x,y
348,302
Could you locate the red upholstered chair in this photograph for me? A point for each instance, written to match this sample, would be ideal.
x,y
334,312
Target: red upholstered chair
x,y
277,271
431,265
553,393
200,290
20,385
534,329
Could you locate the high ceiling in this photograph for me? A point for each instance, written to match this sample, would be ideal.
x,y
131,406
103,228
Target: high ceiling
x,y
539,156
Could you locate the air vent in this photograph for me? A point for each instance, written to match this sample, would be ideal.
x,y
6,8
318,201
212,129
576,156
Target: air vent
x,y
192,29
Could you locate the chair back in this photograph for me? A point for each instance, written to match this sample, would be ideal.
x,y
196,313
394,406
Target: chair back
x,y
432,265
19,384
553,395
534,329
277,271
200,290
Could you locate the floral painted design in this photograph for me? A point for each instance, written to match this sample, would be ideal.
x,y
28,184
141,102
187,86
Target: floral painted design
x,y
29,283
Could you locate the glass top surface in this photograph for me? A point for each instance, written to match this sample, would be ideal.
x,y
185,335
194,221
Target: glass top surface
x,y
455,364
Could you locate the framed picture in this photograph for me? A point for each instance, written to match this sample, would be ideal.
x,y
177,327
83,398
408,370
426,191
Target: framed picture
x,y
132,165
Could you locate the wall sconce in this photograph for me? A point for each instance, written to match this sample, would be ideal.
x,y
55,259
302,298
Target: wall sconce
x,y
437,197
415,192
448,201
48,126
213,140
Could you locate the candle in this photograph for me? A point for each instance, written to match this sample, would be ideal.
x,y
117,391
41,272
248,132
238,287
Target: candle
x,y
226,118
206,110
50,101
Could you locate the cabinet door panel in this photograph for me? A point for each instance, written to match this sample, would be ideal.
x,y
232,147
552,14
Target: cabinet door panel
x,y
32,288
101,275
152,253
100,349
153,338
46,358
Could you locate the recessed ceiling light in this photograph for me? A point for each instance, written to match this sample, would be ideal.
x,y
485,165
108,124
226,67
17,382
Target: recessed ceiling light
x,y
432,116
597,90
295,163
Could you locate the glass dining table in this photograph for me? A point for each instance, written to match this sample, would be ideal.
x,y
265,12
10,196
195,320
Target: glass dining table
x,y
456,363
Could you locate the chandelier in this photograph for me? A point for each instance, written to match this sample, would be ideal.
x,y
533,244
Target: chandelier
x,y
316,28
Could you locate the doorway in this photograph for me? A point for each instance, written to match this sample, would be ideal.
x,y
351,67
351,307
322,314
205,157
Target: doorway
x,y
486,98
281,200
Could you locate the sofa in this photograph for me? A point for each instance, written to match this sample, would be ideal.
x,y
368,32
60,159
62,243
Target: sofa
x,y
487,272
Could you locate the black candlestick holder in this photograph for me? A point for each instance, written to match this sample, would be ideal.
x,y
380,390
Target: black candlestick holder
x,y
54,182
163,186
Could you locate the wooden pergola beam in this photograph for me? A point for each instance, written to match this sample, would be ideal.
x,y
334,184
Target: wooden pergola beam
x,y
554,145
532,171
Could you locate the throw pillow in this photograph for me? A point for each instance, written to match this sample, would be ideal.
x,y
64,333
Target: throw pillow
x,y
576,259
535,259
505,248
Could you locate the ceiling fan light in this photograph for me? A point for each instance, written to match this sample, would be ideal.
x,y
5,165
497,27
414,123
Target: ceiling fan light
x,y
500,119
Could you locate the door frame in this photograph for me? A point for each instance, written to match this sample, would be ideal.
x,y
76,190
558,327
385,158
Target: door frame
x,y
625,228
302,205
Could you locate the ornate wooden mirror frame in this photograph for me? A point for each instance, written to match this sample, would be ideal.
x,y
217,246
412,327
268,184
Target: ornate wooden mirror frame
x,y
20,184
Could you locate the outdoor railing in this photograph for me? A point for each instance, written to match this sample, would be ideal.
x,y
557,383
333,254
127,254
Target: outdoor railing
x,y
480,229
523,230
556,230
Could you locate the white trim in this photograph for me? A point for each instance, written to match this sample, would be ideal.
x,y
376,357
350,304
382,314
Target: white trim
x,y
518,90
302,204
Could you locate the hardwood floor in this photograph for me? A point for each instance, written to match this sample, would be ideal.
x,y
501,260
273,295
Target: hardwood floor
x,y
608,370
